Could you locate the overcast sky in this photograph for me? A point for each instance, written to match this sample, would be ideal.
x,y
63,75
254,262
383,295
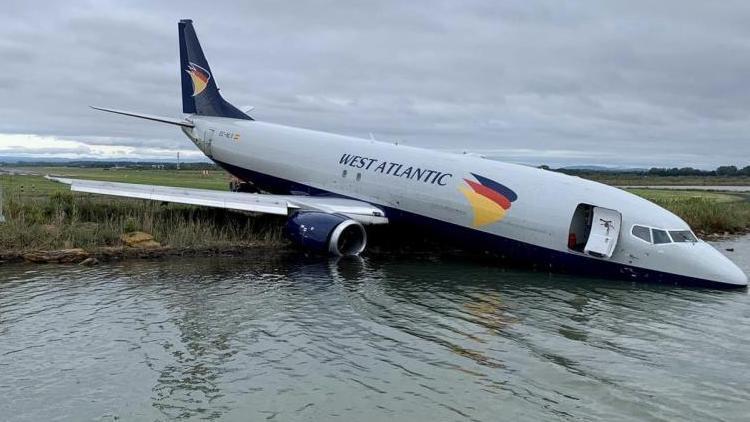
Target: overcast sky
x,y
634,83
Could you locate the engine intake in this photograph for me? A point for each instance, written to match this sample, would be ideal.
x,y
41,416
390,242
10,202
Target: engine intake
x,y
328,233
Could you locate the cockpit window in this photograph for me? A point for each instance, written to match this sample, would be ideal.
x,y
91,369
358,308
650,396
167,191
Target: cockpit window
x,y
660,236
642,233
680,236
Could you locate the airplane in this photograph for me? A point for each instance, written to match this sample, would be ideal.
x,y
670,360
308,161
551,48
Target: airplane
x,y
332,187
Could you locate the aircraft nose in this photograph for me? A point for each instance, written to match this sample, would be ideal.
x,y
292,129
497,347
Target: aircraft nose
x,y
723,269
734,275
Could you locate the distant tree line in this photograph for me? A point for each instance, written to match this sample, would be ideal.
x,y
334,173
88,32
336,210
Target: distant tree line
x,y
689,171
119,164
661,171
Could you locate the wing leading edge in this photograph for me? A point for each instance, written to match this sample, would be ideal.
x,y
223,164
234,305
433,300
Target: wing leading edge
x,y
360,211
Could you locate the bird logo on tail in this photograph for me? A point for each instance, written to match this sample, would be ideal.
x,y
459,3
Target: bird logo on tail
x,y
199,76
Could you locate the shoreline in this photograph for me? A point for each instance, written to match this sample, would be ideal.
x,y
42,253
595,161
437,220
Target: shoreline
x,y
122,253
108,254
719,237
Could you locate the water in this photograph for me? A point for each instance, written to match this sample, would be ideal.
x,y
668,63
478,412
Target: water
x,y
284,338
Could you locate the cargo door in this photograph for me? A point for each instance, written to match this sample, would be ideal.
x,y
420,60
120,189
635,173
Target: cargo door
x,y
605,230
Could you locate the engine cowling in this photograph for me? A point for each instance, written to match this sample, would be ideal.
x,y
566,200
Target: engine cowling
x,y
328,233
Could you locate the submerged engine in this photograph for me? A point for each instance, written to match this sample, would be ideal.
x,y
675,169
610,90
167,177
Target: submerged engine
x,y
327,233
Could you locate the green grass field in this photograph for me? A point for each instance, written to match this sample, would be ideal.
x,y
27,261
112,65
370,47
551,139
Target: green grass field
x,y
645,180
706,212
216,179
42,214
657,195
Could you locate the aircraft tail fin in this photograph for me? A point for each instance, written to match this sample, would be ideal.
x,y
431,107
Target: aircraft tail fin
x,y
200,95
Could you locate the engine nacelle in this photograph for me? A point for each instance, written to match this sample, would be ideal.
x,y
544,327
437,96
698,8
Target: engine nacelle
x,y
332,233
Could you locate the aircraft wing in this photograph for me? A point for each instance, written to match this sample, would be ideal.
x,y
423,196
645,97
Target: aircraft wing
x,y
360,211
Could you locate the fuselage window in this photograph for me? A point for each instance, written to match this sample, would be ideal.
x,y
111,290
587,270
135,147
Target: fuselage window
x,y
642,233
680,236
660,236
343,173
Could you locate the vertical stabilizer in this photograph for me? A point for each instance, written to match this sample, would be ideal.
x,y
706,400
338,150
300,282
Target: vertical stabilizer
x,y
200,94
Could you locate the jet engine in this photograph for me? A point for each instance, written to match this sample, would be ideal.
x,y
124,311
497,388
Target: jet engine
x,y
327,233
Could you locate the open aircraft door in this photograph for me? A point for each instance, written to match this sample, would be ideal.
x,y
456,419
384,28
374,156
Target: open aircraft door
x,y
605,230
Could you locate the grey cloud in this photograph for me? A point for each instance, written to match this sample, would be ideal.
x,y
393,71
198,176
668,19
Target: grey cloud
x,y
18,150
620,82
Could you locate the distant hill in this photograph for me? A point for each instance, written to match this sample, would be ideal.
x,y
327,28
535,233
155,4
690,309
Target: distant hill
x,y
615,169
55,162
126,163
10,159
17,160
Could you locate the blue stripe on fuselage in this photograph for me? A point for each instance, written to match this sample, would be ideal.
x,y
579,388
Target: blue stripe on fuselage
x,y
497,187
513,251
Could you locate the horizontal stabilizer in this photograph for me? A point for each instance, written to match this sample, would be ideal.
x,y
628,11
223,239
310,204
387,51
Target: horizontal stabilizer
x,y
169,120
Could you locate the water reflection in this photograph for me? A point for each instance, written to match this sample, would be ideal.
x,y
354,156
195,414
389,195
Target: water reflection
x,y
288,337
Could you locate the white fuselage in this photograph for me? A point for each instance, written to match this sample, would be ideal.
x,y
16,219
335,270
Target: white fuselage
x,y
385,174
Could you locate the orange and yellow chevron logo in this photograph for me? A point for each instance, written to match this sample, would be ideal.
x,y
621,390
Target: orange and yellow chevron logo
x,y
489,199
199,76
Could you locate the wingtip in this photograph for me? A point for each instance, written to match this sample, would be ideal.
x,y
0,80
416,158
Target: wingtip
x,y
58,179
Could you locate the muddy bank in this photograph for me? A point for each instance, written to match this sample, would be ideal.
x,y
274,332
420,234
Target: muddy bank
x,y
721,236
139,245
117,253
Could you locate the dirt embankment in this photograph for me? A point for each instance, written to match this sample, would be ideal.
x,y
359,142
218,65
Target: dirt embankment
x,y
135,245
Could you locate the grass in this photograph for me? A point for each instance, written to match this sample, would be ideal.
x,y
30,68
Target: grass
x,y
660,195
706,212
215,179
646,180
45,215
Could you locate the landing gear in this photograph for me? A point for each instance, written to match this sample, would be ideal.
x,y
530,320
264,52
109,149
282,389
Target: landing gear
x,y
237,185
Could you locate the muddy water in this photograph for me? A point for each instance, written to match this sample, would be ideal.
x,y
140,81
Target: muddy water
x,y
283,337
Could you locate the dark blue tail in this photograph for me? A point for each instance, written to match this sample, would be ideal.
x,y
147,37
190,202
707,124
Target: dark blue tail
x,y
199,92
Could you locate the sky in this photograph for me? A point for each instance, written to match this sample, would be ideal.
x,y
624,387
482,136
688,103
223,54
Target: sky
x,y
619,83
